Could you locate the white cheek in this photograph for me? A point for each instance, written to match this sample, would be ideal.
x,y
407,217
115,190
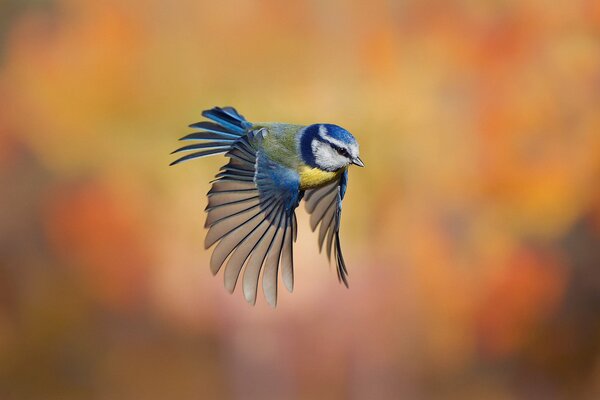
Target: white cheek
x,y
327,158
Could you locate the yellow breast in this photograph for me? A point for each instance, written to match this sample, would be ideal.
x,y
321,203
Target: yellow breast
x,y
314,177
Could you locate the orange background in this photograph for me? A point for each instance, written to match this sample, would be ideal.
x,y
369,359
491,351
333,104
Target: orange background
x,y
472,237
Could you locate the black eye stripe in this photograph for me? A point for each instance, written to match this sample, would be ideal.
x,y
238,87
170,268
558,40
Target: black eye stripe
x,y
340,150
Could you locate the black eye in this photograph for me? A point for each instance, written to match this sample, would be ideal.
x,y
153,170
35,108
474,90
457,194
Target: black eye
x,y
342,152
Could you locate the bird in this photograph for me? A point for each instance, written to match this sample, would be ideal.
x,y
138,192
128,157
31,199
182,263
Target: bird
x,y
251,207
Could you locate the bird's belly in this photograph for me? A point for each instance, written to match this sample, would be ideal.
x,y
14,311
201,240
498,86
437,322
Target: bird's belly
x,y
311,178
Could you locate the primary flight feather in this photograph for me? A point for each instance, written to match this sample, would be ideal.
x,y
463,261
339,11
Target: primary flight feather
x,y
251,205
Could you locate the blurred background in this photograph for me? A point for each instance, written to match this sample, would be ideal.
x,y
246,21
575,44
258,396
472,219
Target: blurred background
x,y
472,237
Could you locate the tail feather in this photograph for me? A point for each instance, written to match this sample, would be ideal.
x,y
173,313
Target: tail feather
x,y
206,126
218,136
227,117
232,112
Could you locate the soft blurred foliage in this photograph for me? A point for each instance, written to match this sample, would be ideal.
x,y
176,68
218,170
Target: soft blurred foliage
x,y
472,237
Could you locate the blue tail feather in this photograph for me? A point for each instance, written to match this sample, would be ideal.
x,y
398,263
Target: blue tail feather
x,y
229,118
206,126
232,112
218,136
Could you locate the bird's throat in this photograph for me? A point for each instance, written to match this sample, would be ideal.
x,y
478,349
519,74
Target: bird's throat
x,y
311,178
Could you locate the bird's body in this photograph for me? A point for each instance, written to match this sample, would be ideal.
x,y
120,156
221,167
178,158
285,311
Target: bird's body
x,y
272,166
280,145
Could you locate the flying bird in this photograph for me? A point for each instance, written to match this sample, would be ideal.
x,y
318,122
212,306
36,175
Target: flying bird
x,y
251,205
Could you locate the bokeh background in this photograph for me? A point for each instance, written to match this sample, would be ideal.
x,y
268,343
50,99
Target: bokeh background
x,y
472,237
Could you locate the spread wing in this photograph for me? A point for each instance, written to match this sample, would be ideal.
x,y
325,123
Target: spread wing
x,y
325,207
251,219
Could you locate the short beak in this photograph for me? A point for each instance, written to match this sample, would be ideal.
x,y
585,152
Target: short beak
x,y
358,161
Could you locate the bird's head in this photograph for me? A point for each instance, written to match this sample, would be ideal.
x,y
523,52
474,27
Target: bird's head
x,y
328,147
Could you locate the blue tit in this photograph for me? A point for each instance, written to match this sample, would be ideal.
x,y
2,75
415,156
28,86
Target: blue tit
x,y
251,205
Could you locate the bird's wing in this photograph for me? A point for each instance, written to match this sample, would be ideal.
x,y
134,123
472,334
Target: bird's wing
x,y
325,207
251,216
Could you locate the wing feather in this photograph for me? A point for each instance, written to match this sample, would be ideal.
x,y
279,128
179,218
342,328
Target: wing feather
x,y
227,225
256,260
229,242
327,220
227,198
325,206
250,218
242,252
199,154
271,267
198,146
315,196
251,204
319,212
287,258
220,213
229,186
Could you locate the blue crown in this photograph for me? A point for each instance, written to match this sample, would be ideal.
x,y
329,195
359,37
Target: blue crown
x,y
339,133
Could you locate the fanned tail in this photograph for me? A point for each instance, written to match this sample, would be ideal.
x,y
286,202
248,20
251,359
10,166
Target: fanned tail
x,y
215,137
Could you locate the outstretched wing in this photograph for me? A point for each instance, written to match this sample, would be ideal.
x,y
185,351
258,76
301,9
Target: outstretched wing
x,y
325,207
251,216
